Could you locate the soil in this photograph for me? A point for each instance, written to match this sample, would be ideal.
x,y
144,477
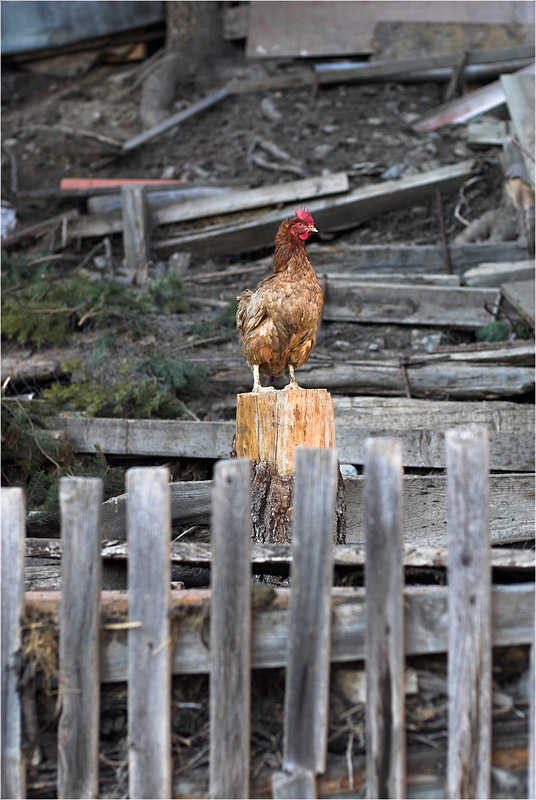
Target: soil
x,y
361,129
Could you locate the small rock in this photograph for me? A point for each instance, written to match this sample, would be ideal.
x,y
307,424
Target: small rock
x,y
339,344
375,121
270,111
348,471
330,128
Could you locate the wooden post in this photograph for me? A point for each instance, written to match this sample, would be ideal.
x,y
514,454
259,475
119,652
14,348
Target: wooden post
x,y
386,772
230,631
13,771
149,642
79,651
269,426
469,622
309,637
136,232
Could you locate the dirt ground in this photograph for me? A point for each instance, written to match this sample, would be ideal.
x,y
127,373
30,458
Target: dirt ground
x,y
361,129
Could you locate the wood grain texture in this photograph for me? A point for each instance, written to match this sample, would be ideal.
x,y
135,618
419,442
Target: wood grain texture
x,y
309,634
295,785
426,625
420,423
79,649
149,645
512,513
407,304
13,767
136,232
385,620
469,651
230,631
334,213
269,425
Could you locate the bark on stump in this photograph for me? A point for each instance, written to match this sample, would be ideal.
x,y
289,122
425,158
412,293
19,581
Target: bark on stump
x,y
269,425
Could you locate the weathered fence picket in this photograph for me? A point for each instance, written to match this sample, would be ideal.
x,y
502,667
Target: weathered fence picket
x,y
309,631
149,641
385,620
469,647
79,646
13,768
230,631
304,630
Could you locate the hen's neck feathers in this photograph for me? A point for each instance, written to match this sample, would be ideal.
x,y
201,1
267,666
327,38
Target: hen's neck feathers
x,y
289,249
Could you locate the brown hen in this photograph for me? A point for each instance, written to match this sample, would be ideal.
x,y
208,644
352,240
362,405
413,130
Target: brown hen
x,y
278,320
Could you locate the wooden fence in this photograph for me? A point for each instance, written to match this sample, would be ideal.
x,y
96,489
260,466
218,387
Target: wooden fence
x,y
382,625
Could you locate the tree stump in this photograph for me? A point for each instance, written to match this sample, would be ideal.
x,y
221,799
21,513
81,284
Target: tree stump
x,y
269,425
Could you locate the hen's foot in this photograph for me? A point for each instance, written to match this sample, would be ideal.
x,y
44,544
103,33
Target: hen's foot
x,y
259,388
293,382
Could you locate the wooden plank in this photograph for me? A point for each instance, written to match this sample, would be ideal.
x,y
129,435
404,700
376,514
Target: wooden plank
x,y
292,191
336,213
30,231
230,631
426,625
13,762
412,257
298,784
469,649
407,304
532,723
519,93
149,644
199,554
495,274
309,632
231,201
521,295
420,423
464,108
136,232
344,27
385,620
175,119
79,647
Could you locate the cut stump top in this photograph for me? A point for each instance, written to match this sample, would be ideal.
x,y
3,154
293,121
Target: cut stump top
x,y
269,425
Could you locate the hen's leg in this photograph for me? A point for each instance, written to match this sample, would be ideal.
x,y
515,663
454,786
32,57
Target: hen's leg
x,y
257,381
293,383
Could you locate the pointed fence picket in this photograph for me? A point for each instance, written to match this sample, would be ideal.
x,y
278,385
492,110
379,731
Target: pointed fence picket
x,y
390,625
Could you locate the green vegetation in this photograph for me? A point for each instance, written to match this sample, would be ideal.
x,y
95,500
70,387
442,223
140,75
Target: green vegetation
x,y
42,307
36,458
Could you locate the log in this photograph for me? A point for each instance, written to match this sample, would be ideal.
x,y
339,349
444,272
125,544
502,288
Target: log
x,y
269,425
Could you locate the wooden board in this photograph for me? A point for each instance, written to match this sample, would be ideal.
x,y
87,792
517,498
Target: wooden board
x,y
511,508
426,625
419,423
470,627
79,665
495,274
200,208
521,295
330,214
12,568
338,28
385,705
519,93
230,632
406,304
422,258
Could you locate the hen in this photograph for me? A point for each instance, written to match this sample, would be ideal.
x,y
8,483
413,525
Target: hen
x,y
278,320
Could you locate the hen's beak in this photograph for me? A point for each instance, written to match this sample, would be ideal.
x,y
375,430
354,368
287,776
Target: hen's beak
x,y
312,229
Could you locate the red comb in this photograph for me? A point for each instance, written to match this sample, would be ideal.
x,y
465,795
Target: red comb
x,y
303,214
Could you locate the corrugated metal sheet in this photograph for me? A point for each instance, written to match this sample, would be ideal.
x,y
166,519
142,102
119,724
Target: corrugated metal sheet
x,y
33,25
